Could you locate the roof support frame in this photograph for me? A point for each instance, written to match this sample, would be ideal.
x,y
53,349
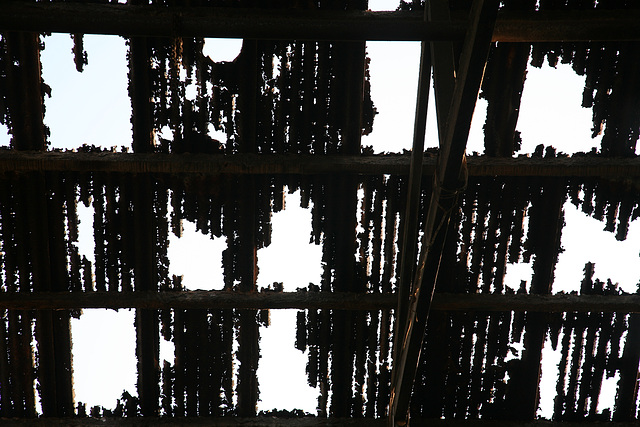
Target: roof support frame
x,y
117,19
14,161
265,421
213,300
449,178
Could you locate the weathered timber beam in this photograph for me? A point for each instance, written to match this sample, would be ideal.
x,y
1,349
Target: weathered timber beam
x,y
558,303
199,300
192,421
578,166
223,22
448,179
575,25
284,422
129,20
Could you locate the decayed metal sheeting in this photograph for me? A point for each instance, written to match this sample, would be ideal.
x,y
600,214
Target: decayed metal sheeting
x,y
200,384
16,364
23,90
466,363
35,262
379,199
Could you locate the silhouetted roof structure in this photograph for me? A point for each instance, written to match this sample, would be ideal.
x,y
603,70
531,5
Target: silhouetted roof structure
x,y
396,331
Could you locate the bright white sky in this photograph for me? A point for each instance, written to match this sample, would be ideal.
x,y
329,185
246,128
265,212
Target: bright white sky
x,y
93,108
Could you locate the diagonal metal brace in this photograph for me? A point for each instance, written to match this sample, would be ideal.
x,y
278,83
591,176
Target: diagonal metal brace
x,y
449,180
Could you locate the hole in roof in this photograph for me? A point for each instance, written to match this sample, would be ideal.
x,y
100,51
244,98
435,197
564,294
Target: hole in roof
x,y
104,362
608,392
548,379
91,107
294,262
165,132
395,100
290,259
191,92
394,70
197,258
168,355
518,273
85,241
475,142
167,351
383,4
220,50
551,112
218,135
5,138
278,354
551,371
584,240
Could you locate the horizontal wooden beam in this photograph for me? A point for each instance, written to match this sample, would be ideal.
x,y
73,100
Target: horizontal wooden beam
x,y
129,20
577,166
285,422
191,422
198,300
567,25
557,303
257,23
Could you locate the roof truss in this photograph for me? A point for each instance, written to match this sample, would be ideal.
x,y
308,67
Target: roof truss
x,y
132,20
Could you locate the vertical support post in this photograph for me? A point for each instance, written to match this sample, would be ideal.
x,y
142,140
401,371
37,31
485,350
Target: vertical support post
x,y
248,329
353,54
342,199
146,321
140,94
145,274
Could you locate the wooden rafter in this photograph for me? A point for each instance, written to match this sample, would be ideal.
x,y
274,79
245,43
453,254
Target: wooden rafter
x,y
144,229
115,19
283,422
577,166
558,303
447,181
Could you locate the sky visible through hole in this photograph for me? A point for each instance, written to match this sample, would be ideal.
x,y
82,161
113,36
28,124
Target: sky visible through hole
x,y
550,115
